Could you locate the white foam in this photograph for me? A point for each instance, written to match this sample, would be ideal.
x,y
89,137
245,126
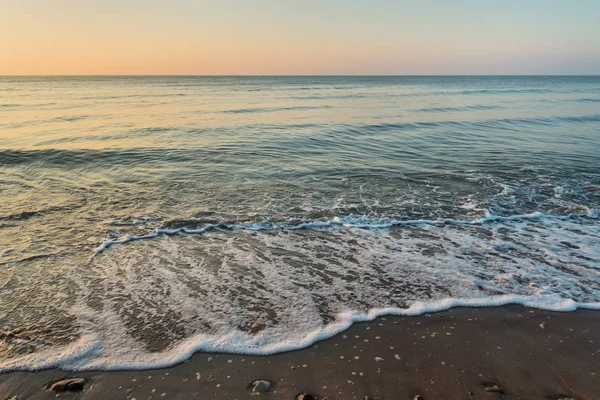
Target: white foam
x,y
349,223
87,353
263,289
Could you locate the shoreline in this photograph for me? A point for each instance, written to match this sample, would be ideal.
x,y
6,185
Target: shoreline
x,y
453,354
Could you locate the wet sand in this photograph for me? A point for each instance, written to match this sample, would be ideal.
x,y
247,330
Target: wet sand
x,y
529,354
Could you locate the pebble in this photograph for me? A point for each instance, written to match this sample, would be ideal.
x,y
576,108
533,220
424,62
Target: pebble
x,y
493,389
73,384
261,386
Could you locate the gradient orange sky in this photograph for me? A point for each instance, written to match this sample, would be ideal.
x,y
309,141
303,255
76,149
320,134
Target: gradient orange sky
x,y
70,37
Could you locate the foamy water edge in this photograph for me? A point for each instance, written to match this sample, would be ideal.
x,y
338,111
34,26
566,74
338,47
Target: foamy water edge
x,y
76,357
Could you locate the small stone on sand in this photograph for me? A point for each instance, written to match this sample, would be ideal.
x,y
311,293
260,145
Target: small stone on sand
x,y
493,389
261,386
74,384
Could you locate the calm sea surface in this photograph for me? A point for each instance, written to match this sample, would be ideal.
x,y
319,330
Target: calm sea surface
x,y
145,218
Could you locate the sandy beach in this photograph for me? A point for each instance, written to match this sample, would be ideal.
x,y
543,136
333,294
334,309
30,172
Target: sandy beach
x,y
456,354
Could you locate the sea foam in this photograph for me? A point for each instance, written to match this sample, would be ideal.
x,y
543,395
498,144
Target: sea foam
x,y
88,353
263,289
349,223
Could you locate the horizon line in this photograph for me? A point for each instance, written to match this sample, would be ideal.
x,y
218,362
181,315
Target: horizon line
x,y
294,75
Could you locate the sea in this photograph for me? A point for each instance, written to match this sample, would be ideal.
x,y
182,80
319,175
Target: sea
x,y
143,219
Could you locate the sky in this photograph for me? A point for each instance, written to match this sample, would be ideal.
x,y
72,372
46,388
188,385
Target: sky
x,y
302,37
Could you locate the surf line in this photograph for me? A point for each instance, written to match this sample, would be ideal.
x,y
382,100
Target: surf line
x,y
324,224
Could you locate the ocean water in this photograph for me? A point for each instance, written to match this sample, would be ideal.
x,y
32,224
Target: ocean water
x,y
145,218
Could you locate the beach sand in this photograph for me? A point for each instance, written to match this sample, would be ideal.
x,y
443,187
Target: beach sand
x,y
456,354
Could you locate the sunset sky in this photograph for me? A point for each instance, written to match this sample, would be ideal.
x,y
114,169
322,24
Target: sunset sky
x,y
197,37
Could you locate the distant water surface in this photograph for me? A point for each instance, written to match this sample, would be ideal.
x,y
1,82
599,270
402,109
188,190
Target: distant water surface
x,y
145,218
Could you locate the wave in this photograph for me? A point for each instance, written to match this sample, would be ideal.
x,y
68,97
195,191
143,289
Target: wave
x,y
360,224
87,353
69,118
458,109
499,91
294,284
84,156
482,123
271,109
449,93
132,96
588,100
